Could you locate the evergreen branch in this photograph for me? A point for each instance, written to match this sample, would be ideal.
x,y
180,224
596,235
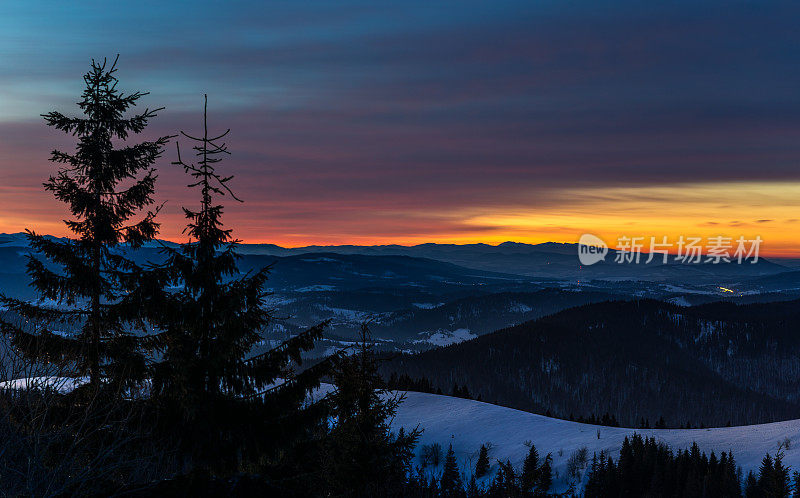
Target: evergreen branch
x,y
43,346
57,287
295,389
33,312
289,349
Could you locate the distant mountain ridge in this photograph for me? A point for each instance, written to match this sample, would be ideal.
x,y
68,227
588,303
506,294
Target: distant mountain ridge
x,y
551,260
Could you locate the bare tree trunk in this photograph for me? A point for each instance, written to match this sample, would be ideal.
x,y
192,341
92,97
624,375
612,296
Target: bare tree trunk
x,y
94,351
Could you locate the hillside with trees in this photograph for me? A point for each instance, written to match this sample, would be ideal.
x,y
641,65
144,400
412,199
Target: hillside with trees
x,y
713,365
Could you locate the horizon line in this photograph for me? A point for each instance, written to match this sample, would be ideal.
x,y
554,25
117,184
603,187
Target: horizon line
x,y
765,254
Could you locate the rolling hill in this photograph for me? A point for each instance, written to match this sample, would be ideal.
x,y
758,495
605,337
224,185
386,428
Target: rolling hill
x,y
468,424
713,364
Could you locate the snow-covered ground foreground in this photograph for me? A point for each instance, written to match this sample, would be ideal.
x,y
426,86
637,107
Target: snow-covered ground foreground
x,y
467,424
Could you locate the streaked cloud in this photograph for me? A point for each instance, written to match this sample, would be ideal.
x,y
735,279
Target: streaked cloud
x,y
435,121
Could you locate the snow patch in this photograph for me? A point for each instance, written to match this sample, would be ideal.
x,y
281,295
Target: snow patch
x,y
426,306
446,337
680,301
60,384
316,288
519,308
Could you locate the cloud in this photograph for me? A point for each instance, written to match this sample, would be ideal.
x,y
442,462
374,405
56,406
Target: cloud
x,y
413,119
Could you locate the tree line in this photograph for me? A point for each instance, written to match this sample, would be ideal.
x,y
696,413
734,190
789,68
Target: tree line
x,y
646,467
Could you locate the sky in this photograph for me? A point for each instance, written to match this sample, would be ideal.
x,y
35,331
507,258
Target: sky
x,y
418,121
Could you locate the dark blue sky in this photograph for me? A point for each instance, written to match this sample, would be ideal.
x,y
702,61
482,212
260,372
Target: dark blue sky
x,y
411,121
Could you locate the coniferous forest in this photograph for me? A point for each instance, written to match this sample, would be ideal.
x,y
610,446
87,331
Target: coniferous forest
x,y
142,378
167,395
153,378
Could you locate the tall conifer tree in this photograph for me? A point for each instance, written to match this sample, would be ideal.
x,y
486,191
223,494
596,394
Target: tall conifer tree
x,y
451,478
530,470
232,403
104,183
482,466
362,456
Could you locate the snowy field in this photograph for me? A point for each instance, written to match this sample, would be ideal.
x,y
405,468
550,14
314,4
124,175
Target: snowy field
x,y
467,424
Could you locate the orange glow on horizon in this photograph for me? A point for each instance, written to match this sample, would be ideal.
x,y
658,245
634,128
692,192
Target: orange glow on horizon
x,y
770,210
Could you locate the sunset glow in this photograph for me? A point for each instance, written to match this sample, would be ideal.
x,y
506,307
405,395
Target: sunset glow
x,y
398,126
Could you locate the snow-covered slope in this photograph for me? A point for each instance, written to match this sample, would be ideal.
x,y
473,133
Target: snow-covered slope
x,y
467,424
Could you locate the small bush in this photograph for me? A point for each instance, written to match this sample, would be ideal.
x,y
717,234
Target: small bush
x,y
577,461
431,454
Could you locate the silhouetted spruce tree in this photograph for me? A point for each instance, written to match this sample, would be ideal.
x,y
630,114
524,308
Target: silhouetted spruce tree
x,y
504,484
530,470
766,478
728,476
451,479
796,483
773,477
104,184
231,407
545,477
482,465
751,489
362,456
780,473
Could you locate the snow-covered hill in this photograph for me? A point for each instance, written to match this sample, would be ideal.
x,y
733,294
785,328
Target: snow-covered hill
x,y
467,424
